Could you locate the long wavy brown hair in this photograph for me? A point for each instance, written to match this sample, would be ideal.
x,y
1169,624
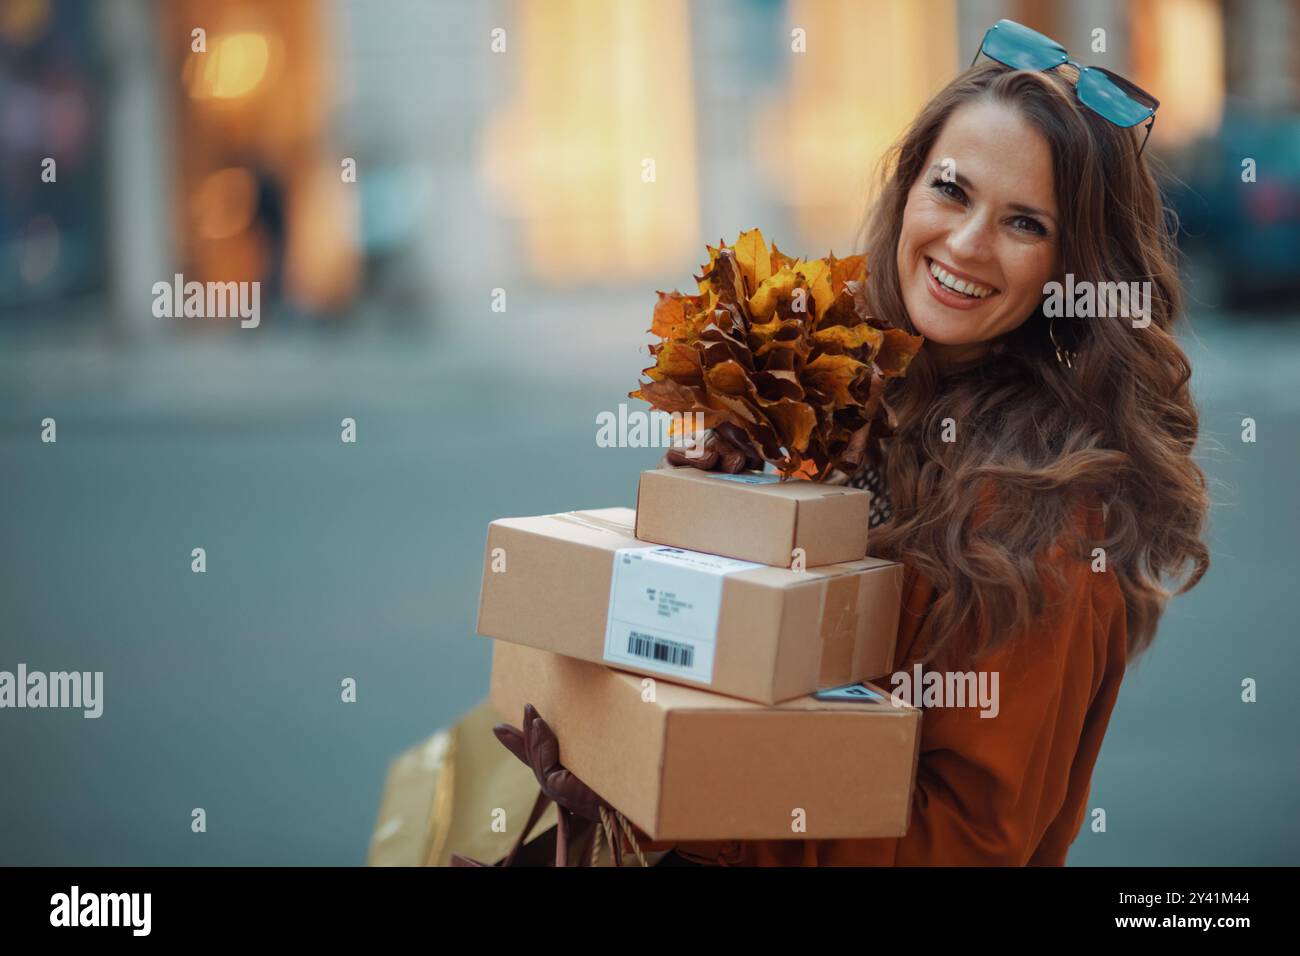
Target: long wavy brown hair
x,y
1116,430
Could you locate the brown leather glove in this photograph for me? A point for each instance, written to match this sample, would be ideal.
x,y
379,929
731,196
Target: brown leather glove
x,y
727,448
577,804
537,746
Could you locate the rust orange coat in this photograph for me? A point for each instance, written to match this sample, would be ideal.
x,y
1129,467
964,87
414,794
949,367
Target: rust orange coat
x,y
1008,790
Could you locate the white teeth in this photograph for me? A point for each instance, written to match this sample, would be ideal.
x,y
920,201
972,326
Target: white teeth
x,y
960,285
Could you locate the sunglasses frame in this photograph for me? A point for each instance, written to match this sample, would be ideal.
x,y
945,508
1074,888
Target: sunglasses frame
x,y
1125,86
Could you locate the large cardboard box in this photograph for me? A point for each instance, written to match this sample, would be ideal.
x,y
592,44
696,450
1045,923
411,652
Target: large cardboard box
x,y
753,516
685,764
581,584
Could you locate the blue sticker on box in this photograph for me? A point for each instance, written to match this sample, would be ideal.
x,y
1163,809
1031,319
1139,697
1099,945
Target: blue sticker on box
x,y
858,692
750,478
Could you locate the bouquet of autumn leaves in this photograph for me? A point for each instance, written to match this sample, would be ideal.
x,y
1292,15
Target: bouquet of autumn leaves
x,y
782,348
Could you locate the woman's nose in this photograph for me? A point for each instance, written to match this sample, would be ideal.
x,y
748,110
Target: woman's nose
x,y
973,239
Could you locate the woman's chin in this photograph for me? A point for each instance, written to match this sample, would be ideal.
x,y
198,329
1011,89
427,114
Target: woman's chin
x,y
937,331
946,344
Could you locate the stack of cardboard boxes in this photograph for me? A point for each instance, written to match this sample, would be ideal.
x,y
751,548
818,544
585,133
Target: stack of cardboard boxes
x,y
703,659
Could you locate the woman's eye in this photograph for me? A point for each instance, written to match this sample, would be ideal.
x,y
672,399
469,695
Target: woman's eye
x,y
951,190
1026,224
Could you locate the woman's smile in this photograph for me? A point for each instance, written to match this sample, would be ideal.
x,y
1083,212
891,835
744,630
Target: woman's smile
x,y
955,289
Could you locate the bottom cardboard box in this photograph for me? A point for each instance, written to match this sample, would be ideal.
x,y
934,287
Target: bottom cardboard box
x,y
686,764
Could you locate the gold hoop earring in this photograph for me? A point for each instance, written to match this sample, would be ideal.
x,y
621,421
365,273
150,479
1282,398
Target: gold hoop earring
x,y
1062,355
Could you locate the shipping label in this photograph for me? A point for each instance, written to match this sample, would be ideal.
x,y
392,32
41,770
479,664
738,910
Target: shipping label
x,y
664,605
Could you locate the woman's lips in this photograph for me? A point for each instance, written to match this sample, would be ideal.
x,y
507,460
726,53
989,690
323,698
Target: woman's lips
x,y
948,297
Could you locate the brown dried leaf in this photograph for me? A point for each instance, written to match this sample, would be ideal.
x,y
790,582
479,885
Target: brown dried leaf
x,y
843,271
672,312
897,352
835,374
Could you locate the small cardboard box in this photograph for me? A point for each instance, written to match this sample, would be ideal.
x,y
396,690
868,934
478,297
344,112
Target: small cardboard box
x,y
580,584
753,516
690,765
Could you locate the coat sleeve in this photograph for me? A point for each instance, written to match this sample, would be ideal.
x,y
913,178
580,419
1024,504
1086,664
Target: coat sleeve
x,y
989,787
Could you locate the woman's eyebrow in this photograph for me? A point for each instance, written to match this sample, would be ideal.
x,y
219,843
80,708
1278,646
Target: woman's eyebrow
x,y
1030,211
965,184
950,173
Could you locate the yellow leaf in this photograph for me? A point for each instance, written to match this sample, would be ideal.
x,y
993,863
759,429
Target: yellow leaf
x,y
762,304
702,280
670,315
780,259
818,276
677,361
849,337
764,332
754,260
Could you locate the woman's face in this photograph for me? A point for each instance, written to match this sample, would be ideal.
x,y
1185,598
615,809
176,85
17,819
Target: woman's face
x,y
989,226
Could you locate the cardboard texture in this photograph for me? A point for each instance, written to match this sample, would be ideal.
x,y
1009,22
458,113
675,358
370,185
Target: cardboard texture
x,y
753,518
779,633
691,765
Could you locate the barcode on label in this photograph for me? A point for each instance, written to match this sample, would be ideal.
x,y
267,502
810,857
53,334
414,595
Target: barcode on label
x,y
658,649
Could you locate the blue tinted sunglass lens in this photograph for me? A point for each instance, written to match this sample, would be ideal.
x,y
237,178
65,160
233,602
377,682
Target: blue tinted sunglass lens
x,y
1022,48
1098,93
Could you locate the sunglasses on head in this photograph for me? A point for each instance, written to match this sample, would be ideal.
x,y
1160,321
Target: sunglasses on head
x,y
1107,94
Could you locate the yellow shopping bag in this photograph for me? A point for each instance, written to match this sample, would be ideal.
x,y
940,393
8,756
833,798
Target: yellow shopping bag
x,y
459,792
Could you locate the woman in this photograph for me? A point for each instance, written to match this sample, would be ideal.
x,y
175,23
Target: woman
x,y
1039,486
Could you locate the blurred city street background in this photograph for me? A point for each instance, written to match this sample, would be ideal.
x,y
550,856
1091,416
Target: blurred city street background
x,y
521,171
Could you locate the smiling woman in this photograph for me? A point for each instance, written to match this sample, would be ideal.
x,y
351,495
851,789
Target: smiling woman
x,y
1005,181
978,241
1041,479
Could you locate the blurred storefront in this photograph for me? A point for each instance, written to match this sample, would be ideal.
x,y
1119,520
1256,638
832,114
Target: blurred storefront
x,y
260,191
51,158
560,144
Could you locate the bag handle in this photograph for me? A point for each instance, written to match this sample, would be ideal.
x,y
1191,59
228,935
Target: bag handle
x,y
612,826
615,827
539,807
